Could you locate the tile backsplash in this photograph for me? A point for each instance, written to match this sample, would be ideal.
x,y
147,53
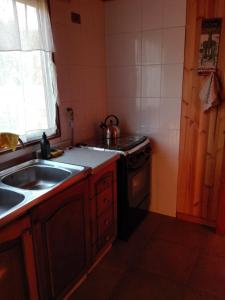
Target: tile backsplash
x,y
144,56
142,43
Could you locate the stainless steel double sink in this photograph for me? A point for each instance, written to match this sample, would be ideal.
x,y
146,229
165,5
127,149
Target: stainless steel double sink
x,y
27,181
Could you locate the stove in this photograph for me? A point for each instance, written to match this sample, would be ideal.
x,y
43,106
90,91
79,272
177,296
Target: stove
x,y
122,144
133,179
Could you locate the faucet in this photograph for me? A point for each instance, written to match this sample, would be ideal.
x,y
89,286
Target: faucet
x,y
21,142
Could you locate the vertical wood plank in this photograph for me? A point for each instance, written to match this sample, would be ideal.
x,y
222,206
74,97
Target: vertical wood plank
x,y
201,140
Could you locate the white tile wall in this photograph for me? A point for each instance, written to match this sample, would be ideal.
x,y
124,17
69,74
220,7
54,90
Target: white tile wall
x,y
145,53
152,14
172,40
174,13
150,114
151,47
151,77
123,16
124,81
171,80
124,49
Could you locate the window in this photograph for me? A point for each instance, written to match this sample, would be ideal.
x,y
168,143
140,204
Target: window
x,y
28,89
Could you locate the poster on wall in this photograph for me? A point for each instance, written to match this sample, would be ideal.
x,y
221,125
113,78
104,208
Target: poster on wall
x,y
209,45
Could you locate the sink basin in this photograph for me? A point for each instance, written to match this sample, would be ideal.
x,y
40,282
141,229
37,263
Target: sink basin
x,y
36,177
8,199
32,180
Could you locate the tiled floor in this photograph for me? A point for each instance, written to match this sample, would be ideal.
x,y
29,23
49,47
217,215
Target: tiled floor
x,y
165,259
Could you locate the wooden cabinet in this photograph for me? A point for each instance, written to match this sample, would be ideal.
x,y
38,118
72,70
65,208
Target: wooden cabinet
x,y
61,235
103,209
17,268
45,258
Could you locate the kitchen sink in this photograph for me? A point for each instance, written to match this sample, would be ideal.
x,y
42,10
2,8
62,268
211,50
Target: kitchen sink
x,y
39,174
34,181
9,199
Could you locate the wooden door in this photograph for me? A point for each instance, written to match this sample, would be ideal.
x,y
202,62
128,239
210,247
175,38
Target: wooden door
x,y
61,240
201,139
220,228
17,271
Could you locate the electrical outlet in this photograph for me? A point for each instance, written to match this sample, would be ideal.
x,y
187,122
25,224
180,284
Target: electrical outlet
x,y
75,18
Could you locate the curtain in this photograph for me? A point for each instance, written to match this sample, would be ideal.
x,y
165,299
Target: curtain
x,y
28,90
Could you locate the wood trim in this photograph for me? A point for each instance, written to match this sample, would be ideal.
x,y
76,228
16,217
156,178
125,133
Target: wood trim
x,y
193,219
220,225
20,229
94,265
14,230
201,135
30,264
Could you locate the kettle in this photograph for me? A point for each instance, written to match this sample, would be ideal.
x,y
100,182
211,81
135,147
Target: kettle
x,y
110,127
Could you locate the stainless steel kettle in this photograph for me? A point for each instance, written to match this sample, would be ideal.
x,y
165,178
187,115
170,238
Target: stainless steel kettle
x,y
110,127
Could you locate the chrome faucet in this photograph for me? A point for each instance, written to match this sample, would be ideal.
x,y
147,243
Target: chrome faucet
x,y
21,143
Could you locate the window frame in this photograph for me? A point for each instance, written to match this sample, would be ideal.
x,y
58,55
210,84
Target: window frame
x,y
57,134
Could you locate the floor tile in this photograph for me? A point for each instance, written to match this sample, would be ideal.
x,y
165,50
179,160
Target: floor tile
x,y
164,259
168,259
141,285
209,275
183,233
120,256
99,284
215,245
190,294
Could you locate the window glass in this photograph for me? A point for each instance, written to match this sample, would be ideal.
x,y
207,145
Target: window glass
x,y
28,89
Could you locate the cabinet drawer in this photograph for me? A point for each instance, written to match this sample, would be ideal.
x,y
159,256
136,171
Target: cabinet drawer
x,y
103,179
104,200
104,183
105,221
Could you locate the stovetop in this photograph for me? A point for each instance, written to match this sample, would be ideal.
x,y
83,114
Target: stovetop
x,y
123,143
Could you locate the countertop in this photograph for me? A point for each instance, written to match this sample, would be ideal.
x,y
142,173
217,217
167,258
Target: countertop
x,y
94,159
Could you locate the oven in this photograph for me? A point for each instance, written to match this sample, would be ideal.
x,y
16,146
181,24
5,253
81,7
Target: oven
x,y
133,179
133,188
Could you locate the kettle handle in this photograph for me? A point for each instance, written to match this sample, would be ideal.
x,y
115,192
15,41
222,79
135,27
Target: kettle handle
x,y
112,116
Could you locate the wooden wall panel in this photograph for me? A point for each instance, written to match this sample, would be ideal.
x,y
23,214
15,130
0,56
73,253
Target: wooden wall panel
x,y
202,138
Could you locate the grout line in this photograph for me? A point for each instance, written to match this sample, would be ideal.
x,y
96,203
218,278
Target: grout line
x,y
144,30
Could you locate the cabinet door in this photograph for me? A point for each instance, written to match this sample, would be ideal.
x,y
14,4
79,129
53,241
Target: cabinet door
x,y
61,235
103,209
17,273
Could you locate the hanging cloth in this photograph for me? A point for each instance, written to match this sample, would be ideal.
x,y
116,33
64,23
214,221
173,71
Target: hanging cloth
x,y
209,93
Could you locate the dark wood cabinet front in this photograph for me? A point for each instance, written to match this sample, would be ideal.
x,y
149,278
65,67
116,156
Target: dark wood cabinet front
x,y
61,235
17,274
103,209
12,270
46,253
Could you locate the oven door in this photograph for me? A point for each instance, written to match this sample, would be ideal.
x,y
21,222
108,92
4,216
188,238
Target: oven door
x,y
138,171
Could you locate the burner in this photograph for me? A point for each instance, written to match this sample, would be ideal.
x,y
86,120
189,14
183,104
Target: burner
x,y
123,143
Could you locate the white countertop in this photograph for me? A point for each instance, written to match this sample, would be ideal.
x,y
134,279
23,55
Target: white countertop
x,y
87,157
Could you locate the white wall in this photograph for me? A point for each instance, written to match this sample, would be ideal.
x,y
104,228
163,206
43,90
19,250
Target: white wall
x,y
145,53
